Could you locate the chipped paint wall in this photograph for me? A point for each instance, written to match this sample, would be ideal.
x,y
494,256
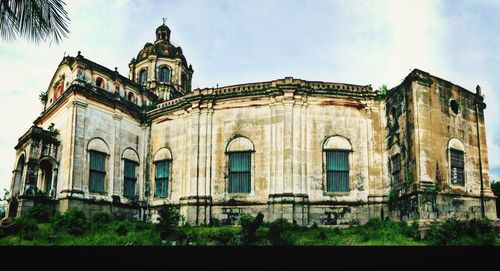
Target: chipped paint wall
x,y
424,130
287,123
288,130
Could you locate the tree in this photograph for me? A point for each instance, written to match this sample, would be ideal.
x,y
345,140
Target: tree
x,y
35,20
383,90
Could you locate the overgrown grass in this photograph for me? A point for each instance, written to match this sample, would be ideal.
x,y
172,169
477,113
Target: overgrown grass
x,y
103,230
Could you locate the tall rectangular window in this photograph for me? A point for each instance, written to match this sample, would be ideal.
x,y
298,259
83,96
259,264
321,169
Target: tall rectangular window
x,y
97,171
129,178
164,74
337,171
457,167
239,172
162,171
396,169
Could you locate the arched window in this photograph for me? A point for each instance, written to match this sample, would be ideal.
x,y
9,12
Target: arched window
x,y
98,151
240,151
164,74
99,82
131,97
143,76
47,170
395,164
130,163
162,165
337,151
456,152
184,82
18,174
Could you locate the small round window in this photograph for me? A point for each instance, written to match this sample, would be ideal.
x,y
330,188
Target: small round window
x,y
455,107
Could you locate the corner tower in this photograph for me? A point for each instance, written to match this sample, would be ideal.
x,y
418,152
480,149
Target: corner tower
x,y
162,67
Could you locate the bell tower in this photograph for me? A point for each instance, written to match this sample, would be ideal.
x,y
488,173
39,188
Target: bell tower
x,y
162,67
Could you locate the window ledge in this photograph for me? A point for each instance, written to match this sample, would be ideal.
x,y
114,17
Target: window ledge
x,y
239,195
104,193
336,193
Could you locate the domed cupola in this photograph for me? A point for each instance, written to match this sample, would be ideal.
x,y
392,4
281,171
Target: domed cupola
x,y
162,33
162,67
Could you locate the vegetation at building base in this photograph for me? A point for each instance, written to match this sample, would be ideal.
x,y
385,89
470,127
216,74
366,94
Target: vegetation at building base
x,y
495,187
42,226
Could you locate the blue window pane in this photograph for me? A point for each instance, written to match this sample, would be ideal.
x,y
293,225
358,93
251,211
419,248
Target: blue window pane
x,y
164,74
162,171
337,171
129,178
143,76
97,171
239,172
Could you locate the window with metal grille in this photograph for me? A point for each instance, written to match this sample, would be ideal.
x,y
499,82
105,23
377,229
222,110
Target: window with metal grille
x,y
97,171
337,171
164,74
129,178
162,173
457,167
396,168
239,172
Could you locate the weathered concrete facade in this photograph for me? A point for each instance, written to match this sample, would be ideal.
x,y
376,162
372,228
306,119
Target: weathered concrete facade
x,y
397,145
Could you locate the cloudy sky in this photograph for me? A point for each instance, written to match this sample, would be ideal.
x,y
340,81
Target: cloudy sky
x,y
361,42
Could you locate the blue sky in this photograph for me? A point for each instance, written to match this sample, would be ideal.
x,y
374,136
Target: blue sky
x,y
229,42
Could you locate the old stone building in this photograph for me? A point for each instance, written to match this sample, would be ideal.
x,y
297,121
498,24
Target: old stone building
x,y
307,151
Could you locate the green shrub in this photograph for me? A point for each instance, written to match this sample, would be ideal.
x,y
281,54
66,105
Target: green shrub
x,y
249,227
100,220
314,225
168,220
118,216
122,228
322,235
143,226
72,221
26,227
40,213
386,230
280,232
456,232
215,222
222,236
413,230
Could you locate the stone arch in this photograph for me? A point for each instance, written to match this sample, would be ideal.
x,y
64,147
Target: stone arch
x,y
99,82
240,144
130,154
47,175
337,143
131,97
455,143
18,175
163,154
98,144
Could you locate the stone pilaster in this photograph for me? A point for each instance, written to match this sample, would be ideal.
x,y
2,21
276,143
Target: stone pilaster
x,y
116,185
78,165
